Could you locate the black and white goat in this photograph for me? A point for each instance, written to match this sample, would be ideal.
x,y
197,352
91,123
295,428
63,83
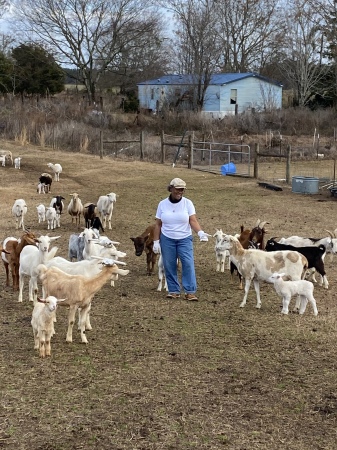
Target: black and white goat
x,y
315,256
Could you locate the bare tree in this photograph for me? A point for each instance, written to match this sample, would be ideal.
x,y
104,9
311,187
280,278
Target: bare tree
x,y
326,19
90,35
197,47
249,32
302,64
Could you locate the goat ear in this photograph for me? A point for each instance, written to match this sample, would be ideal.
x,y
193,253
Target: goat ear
x,y
258,222
41,300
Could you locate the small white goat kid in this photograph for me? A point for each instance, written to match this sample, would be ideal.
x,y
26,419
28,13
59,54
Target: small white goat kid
x,y
220,254
19,210
43,318
41,213
288,289
17,162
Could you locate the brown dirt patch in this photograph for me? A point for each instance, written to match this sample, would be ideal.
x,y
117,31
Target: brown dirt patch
x,y
160,374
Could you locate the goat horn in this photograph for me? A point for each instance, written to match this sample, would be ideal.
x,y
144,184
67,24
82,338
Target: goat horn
x,y
331,234
258,223
262,224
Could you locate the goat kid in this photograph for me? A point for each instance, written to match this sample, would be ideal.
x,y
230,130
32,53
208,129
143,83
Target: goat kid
x,y
43,318
288,289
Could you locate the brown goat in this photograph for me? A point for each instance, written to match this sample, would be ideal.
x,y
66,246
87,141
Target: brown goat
x,y
13,247
144,242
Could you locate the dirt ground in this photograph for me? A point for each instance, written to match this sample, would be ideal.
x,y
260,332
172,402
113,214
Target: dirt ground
x,y
162,374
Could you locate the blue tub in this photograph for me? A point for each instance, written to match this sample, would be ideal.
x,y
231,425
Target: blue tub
x,y
228,168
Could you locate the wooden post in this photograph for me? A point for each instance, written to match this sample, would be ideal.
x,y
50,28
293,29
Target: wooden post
x,y
101,144
256,160
141,140
288,164
190,150
162,145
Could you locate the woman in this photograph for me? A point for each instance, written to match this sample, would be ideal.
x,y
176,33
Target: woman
x,y
175,220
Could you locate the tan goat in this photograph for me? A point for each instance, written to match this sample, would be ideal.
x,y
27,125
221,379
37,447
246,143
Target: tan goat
x,y
78,290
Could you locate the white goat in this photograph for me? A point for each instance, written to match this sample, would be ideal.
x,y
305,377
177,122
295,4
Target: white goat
x,y
17,162
256,265
43,318
41,213
57,169
51,218
7,154
30,257
221,255
78,290
105,207
161,275
75,208
3,160
41,188
287,289
19,210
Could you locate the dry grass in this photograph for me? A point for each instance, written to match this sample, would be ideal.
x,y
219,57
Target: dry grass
x,y
161,374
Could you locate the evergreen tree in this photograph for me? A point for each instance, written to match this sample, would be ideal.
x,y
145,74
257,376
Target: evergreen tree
x,y
36,71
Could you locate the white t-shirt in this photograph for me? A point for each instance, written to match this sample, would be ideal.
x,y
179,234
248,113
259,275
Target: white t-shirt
x,y
175,218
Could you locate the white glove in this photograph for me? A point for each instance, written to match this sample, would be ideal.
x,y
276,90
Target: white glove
x,y
156,247
203,236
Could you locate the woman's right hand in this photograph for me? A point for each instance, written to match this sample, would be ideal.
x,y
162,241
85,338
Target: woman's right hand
x,y
156,247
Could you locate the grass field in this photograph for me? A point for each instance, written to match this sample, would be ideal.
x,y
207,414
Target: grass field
x,y
159,374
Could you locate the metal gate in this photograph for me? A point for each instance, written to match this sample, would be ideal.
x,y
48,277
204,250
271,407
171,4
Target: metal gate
x,y
221,158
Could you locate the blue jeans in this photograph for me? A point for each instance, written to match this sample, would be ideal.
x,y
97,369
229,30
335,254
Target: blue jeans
x,y
171,249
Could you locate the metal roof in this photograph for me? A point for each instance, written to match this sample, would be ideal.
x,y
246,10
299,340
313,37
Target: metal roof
x,y
216,79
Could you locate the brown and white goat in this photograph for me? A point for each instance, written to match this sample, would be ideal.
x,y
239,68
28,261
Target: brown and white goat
x,y
144,242
256,265
253,238
10,255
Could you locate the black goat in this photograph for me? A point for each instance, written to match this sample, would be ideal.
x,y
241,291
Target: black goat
x,y
314,255
96,223
89,214
46,179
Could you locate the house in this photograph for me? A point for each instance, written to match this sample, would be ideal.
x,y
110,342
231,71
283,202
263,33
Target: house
x,y
227,93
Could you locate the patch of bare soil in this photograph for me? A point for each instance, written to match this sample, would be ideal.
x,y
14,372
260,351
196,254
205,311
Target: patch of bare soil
x,y
162,374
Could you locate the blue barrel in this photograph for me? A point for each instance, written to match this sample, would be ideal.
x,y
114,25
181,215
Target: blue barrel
x,y
228,168
305,185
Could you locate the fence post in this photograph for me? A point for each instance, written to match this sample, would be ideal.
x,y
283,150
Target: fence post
x,y
162,145
190,150
141,140
101,144
256,160
288,164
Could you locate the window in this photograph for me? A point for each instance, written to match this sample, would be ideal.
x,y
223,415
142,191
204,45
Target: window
x,y
152,94
233,97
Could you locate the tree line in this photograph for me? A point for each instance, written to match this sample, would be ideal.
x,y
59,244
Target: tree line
x,y
109,43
